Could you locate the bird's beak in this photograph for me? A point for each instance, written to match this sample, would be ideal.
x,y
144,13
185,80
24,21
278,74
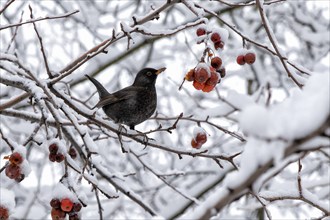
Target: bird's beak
x,y
160,70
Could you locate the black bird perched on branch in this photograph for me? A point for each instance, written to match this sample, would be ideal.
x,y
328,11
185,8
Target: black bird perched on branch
x,y
133,104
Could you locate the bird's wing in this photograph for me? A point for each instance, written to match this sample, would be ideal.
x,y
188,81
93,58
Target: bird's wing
x,y
121,95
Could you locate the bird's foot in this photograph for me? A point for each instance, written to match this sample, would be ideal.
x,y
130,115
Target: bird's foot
x,y
145,137
120,131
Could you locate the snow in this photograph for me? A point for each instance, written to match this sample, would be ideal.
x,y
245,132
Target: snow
x,y
206,205
223,33
272,122
314,199
91,178
90,144
238,100
198,130
24,166
256,153
7,199
60,191
203,65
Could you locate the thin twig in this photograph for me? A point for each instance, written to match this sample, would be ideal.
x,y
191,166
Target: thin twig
x,y
41,45
273,41
39,19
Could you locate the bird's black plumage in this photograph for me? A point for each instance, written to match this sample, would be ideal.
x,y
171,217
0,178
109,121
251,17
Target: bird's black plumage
x,y
133,104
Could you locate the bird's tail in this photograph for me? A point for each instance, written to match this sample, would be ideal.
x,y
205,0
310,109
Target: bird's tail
x,y
101,90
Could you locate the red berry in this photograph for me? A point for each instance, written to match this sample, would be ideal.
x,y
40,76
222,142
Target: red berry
x,y
201,75
216,62
200,31
208,88
215,37
198,86
222,72
57,214
16,158
72,153
52,157
213,80
66,205
13,171
190,75
55,203
194,144
219,44
59,157
250,58
240,60
4,214
53,148
201,138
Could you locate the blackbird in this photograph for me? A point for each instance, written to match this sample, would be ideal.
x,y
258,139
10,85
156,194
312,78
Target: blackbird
x,y
133,104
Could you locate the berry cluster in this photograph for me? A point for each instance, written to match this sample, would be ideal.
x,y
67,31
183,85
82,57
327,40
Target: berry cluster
x,y
13,169
217,36
205,77
4,214
64,206
199,138
54,155
248,57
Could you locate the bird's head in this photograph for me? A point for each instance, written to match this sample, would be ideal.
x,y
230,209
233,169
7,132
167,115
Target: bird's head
x,y
147,76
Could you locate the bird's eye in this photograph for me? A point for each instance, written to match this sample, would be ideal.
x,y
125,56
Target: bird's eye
x,y
149,73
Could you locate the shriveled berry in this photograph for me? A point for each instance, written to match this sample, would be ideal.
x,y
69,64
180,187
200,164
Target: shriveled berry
x,y
77,207
52,157
216,62
201,138
4,214
20,178
55,203
201,75
240,60
57,214
194,144
13,171
222,72
66,205
53,148
215,37
59,157
250,58
72,153
200,31
73,216
198,85
219,44
190,76
16,158
208,88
